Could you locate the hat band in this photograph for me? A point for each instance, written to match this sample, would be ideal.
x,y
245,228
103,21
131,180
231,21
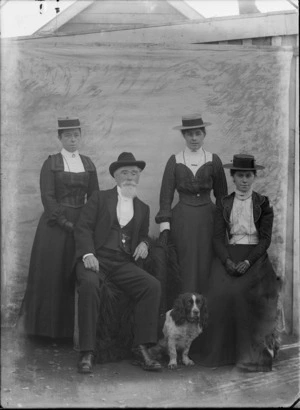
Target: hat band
x,y
192,122
74,123
244,163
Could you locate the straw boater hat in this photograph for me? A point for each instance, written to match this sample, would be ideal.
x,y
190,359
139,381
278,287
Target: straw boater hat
x,y
192,121
124,160
243,162
68,123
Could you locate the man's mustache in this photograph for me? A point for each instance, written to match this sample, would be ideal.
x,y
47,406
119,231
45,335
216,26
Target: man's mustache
x,y
129,184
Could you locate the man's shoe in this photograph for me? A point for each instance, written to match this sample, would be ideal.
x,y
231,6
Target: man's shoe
x,y
85,364
142,358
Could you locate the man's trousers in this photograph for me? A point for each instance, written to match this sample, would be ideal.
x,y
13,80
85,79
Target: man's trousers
x,y
134,281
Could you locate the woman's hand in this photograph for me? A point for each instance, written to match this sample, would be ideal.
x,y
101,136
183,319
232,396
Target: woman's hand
x,y
242,267
164,237
230,267
69,226
91,262
141,251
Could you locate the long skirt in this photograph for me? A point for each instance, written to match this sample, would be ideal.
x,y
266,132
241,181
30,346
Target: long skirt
x,y
191,232
242,314
48,305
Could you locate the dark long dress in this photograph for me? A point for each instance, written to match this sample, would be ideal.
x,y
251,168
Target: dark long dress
x,y
48,305
242,309
192,218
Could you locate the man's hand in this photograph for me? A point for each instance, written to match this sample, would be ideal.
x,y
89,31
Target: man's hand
x,y
230,266
141,251
242,267
91,262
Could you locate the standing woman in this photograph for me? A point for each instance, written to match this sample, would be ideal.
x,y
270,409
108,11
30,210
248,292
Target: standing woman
x,y
194,173
243,287
67,180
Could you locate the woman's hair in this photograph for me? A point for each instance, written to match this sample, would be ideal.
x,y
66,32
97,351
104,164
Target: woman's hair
x,y
61,131
233,171
183,132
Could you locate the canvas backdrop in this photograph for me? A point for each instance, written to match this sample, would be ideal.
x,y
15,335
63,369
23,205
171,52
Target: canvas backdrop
x,y
129,98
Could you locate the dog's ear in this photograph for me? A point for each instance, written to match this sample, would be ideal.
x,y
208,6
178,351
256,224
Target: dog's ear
x,y
204,312
178,311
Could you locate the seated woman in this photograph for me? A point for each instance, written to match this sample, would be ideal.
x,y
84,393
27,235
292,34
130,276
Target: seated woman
x,y
244,288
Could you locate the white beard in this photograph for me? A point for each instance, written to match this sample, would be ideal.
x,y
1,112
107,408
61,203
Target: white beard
x,y
129,191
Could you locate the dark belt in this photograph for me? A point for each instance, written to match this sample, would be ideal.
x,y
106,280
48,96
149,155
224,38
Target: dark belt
x,y
73,202
201,198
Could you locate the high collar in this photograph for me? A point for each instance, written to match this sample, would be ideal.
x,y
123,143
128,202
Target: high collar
x,y
68,154
242,196
190,153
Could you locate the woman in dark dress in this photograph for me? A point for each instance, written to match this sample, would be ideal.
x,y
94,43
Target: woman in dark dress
x,y
67,179
194,173
243,286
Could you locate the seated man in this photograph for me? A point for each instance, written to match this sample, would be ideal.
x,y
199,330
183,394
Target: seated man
x,y
110,235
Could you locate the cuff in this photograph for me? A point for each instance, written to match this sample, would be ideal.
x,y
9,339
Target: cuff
x,y
147,243
84,256
163,226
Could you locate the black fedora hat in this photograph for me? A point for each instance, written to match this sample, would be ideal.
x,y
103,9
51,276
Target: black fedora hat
x,y
191,121
243,162
125,159
68,123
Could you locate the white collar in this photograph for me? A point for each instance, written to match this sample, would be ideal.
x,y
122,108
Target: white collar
x,y
68,154
190,153
242,196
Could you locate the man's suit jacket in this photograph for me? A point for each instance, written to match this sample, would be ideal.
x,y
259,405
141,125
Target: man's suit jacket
x,y
96,219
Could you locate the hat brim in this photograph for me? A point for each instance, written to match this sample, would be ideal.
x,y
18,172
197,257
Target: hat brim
x,y
229,166
181,127
119,164
68,128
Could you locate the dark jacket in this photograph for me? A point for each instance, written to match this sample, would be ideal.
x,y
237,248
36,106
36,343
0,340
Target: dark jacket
x,y
96,219
55,190
263,220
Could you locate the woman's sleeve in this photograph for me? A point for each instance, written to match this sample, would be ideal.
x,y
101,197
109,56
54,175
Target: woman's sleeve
x,y
53,210
93,183
219,184
167,192
264,232
220,235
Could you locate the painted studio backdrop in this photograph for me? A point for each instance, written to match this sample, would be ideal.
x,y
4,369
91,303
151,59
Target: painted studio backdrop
x,y
129,98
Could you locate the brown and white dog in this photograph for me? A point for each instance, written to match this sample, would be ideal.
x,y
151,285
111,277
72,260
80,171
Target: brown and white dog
x,y
183,324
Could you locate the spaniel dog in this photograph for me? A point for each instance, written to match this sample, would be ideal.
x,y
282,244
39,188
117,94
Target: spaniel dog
x,y
183,324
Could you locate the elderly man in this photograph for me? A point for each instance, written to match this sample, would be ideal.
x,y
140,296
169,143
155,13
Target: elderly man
x,y
111,235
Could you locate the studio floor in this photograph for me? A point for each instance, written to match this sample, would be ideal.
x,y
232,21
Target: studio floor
x,y
43,374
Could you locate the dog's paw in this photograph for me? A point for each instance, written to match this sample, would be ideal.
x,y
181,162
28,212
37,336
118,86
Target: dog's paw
x,y
188,362
172,365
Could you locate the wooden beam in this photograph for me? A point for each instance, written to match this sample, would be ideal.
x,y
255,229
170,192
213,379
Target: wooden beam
x,y
276,41
64,17
208,30
186,10
296,253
